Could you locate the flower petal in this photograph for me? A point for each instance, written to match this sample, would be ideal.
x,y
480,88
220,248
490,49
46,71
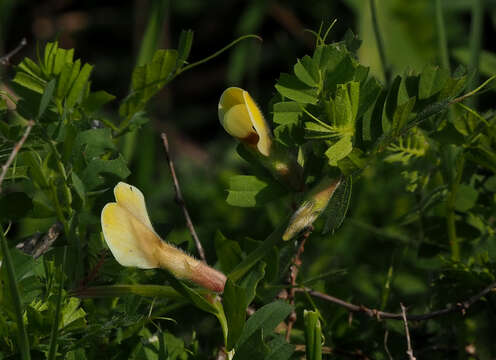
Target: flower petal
x,y
241,118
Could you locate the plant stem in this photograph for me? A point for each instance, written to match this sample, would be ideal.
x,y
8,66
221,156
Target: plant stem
x,y
380,43
215,54
55,325
450,213
441,36
16,298
475,44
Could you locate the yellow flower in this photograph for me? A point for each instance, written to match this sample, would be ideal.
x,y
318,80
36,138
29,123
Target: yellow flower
x,y
241,118
133,241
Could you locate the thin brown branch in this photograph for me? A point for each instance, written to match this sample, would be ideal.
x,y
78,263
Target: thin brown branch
x,y
5,60
180,200
14,152
374,313
293,273
409,350
386,347
355,354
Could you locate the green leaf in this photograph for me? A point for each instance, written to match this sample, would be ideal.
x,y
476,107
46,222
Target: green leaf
x,y
228,252
250,191
292,88
65,78
14,205
234,300
466,198
287,112
78,186
450,155
95,100
62,57
259,253
29,66
346,103
184,47
251,280
339,150
46,98
100,172
49,57
79,86
313,335
159,291
93,143
192,295
73,315
338,206
401,115
432,81
369,92
266,319
307,72
253,348
390,104
490,184
280,349
147,80
29,82
372,119
313,126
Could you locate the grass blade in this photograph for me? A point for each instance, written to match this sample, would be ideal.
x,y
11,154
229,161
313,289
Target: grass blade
x,y
23,340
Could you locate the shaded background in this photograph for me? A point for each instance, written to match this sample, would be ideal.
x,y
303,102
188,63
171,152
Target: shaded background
x,y
108,34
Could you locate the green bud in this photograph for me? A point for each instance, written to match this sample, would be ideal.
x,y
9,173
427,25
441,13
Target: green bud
x,y
312,206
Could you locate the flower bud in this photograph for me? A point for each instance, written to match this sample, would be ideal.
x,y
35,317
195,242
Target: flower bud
x,y
133,241
241,118
312,206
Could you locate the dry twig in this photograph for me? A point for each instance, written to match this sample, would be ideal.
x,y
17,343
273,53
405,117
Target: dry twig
x,y
374,313
409,350
5,60
295,267
386,347
180,200
14,152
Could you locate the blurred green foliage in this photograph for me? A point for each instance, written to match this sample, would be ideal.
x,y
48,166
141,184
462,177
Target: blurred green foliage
x,y
419,227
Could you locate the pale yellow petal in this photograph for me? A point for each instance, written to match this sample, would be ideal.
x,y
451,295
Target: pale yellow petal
x,y
132,199
259,123
237,122
132,243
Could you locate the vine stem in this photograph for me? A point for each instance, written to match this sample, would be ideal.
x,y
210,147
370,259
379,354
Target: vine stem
x,y
377,314
180,199
380,43
217,53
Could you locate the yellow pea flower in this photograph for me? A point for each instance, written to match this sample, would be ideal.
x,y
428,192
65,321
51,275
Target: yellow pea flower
x,y
133,241
241,118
